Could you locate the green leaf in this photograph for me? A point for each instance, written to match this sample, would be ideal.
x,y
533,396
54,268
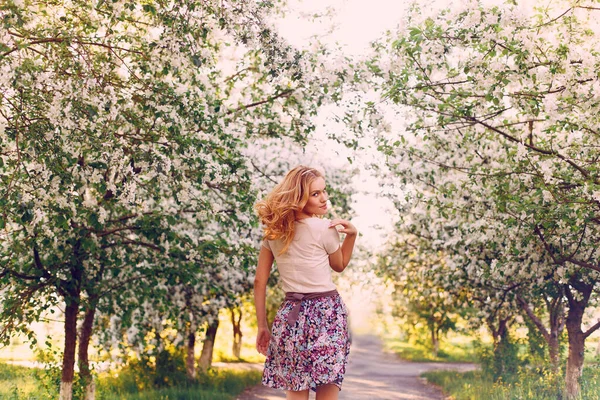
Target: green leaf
x,y
98,164
26,216
93,221
149,8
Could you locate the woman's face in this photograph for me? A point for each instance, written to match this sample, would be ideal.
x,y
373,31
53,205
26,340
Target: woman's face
x,y
317,198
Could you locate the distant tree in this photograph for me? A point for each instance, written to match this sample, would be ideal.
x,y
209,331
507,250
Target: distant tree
x,y
422,300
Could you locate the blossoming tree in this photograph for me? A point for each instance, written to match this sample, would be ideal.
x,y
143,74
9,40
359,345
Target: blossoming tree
x,y
121,129
501,141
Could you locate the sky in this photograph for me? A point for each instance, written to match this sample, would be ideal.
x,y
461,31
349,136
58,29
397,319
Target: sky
x,y
351,23
352,26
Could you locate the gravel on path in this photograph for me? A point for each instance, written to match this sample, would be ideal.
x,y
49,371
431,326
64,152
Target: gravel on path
x,y
375,375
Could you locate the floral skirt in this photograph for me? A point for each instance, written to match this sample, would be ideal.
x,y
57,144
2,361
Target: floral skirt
x,y
311,352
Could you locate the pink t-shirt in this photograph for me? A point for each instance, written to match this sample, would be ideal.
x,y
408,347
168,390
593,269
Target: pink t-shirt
x,y
304,267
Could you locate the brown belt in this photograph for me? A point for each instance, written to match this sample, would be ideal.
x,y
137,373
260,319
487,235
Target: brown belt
x,y
299,297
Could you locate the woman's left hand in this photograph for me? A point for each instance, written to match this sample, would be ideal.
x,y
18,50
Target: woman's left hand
x,y
347,226
262,340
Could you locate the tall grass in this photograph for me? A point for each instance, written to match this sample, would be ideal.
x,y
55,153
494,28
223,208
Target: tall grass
x,y
21,383
219,383
528,385
170,394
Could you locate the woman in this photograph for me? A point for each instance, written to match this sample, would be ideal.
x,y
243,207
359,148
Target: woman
x,y
309,344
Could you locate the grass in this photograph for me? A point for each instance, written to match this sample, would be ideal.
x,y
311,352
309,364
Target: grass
x,y
16,381
20,383
592,350
171,394
527,384
221,383
474,385
460,348
456,349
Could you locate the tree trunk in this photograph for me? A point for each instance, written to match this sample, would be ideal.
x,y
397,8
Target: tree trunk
x,y
500,333
501,343
574,363
556,313
208,346
237,332
190,356
85,334
435,342
504,358
577,305
71,292
190,360
68,365
554,350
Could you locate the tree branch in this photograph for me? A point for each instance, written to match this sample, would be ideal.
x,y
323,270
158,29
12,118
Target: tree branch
x,y
73,40
534,318
595,267
38,263
285,93
135,242
547,245
554,19
592,329
534,148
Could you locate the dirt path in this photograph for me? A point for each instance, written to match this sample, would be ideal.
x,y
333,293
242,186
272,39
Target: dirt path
x,y
375,375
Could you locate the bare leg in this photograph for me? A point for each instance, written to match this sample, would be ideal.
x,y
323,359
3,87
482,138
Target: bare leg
x,y
300,395
327,392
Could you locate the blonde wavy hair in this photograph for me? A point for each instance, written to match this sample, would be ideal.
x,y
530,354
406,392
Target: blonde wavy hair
x,y
276,210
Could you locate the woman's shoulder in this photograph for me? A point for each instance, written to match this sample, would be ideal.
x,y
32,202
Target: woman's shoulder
x,y
316,223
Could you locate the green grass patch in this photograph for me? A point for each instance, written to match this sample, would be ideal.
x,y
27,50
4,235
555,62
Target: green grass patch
x,y
21,383
246,357
10,373
18,382
169,394
458,349
529,385
217,384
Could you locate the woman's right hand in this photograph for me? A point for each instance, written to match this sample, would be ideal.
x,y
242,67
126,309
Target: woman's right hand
x,y
347,226
262,340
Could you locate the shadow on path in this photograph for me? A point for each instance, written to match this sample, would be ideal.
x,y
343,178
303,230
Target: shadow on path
x,y
375,375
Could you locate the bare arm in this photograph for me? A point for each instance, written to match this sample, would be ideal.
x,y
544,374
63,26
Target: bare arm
x,y
263,270
339,260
